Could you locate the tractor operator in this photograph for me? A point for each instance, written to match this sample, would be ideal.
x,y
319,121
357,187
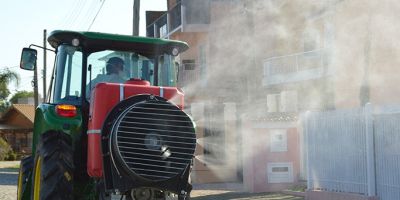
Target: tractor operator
x,y
115,74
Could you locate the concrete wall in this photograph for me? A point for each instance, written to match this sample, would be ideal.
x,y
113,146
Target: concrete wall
x,y
171,3
257,156
286,30
365,51
360,47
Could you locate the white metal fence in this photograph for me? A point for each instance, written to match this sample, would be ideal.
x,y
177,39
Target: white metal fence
x,y
387,145
354,151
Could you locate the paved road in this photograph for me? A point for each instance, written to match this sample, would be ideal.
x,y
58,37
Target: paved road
x,y
8,184
9,176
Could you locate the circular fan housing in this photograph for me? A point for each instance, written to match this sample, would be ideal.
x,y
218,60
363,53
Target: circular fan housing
x,y
153,139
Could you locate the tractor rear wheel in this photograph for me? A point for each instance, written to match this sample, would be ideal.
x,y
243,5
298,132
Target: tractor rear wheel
x,y
53,169
25,170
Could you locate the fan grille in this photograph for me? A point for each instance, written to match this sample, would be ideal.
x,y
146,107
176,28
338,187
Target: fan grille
x,y
155,139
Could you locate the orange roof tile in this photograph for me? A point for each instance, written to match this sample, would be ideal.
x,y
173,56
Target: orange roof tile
x,y
26,109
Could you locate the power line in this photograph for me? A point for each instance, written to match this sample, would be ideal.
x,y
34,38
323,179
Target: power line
x,y
94,19
86,14
70,17
92,8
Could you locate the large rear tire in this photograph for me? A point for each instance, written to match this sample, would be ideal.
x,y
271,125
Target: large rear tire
x,y
25,171
54,165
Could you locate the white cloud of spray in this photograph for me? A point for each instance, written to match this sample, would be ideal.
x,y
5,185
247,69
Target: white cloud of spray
x,y
358,42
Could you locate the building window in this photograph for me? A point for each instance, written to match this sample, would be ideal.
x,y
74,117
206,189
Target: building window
x,y
278,140
24,140
30,136
280,172
280,169
189,64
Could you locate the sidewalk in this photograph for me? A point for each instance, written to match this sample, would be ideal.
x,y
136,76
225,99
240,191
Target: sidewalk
x,y
232,191
8,180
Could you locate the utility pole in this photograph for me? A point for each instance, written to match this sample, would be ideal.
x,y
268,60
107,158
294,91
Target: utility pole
x,y
35,87
44,64
136,14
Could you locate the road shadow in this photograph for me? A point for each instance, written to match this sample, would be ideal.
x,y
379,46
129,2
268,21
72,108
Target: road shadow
x,y
247,196
8,176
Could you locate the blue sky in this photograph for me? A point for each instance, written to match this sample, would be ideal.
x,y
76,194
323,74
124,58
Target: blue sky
x,y
23,22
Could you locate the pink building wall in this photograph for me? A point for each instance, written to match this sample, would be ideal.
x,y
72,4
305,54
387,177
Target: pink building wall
x,y
257,155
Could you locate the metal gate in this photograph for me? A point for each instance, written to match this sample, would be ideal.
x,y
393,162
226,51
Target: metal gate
x,y
354,151
387,151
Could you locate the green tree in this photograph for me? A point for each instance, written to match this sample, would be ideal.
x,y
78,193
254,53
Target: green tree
x,y
6,77
21,94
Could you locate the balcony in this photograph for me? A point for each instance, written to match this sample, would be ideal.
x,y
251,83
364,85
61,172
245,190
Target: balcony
x,y
158,28
302,66
185,16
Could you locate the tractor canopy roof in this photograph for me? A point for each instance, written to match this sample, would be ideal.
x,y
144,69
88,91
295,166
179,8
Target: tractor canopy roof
x,y
94,41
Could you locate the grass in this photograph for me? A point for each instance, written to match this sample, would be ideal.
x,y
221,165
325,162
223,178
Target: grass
x,y
10,168
298,188
9,164
13,167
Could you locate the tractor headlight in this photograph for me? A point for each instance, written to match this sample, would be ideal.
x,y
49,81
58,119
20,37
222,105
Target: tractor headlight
x,y
175,51
75,42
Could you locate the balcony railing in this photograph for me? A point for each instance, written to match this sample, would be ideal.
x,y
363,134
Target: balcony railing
x,y
175,16
186,15
296,67
166,23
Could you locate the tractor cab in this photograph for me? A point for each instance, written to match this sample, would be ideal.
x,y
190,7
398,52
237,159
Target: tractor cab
x,y
113,122
82,62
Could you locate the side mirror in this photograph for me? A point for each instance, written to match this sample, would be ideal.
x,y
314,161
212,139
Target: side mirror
x,y
28,59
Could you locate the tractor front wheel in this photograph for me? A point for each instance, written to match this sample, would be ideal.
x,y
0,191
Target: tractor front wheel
x,y
53,168
25,170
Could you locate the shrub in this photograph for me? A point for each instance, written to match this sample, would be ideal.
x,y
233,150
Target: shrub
x,y
11,156
5,148
298,188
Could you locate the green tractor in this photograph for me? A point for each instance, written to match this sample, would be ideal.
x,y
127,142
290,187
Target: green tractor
x,y
113,124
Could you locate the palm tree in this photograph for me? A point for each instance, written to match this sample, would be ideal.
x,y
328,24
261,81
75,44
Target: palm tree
x,y
6,77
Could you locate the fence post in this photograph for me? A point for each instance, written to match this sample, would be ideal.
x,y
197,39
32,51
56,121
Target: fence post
x,y
307,149
370,150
